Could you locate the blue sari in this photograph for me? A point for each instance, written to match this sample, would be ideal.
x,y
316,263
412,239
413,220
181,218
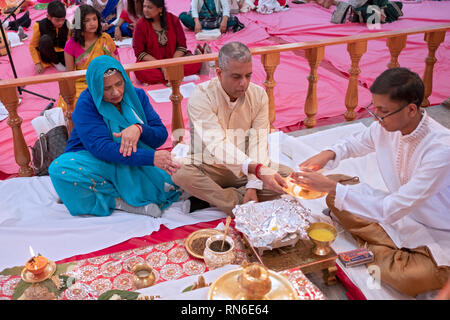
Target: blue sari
x,y
88,185
109,14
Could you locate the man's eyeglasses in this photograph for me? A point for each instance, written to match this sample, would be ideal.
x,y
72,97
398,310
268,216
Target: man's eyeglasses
x,y
370,109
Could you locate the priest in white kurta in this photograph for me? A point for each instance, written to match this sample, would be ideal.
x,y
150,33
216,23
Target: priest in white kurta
x,y
407,227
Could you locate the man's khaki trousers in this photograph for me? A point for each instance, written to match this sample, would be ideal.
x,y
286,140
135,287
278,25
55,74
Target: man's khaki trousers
x,y
409,271
218,186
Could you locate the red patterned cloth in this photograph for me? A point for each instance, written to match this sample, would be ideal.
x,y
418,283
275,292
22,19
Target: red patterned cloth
x,y
170,261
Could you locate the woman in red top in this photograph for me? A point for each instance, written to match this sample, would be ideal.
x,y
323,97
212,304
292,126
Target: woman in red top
x,y
128,19
159,35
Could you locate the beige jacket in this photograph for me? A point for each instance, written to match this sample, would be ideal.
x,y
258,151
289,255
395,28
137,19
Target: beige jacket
x,y
229,134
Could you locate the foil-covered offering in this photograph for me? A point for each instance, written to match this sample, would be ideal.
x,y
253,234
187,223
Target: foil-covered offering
x,y
273,224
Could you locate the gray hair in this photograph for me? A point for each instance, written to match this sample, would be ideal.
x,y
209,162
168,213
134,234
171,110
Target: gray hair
x,y
235,51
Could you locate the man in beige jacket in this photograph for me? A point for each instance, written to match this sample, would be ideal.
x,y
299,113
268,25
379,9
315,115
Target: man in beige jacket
x,y
229,125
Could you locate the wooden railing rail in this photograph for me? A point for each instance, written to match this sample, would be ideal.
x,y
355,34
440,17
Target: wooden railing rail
x,y
270,58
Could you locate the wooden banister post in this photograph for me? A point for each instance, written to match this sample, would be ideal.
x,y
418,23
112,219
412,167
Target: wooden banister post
x,y
395,45
175,75
270,62
356,51
433,40
314,56
9,98
68,92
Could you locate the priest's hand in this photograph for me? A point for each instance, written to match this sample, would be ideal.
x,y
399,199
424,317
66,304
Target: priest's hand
x,y
130,137
318,161
163,160
250,195
313,181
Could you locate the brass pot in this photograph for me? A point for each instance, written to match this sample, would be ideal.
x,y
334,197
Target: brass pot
x,y
216,259
143,275
255,282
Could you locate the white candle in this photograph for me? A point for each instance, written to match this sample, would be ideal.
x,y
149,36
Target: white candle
x,y
31,251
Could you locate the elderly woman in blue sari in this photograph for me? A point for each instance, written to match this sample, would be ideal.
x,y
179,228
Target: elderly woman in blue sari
x,y
110,11
110,160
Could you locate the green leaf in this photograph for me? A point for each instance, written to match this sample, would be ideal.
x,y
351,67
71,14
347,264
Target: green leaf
x,y
125,295
14,271
63,268
187,289
20,289
50,285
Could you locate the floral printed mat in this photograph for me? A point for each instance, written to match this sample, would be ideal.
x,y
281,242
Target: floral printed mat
x,y
170,261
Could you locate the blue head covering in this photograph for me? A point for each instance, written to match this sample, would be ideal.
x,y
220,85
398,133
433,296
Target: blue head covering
x,y
132,111
137,185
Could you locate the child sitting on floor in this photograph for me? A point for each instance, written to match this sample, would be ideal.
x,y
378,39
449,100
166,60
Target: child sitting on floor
x,y
49,38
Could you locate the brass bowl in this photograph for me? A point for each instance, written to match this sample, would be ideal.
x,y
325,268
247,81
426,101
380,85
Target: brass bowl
x,y
195,243
217,258
322,235
143,275
227,287
36,265
46,273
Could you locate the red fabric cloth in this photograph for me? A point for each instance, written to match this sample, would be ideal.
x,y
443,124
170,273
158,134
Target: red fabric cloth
x,y
353,292
124,15
162,235
146,40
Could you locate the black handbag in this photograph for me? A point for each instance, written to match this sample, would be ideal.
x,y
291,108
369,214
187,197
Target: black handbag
x,y
212,22
47,148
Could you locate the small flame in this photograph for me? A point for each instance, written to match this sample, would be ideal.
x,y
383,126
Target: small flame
x,y
31,251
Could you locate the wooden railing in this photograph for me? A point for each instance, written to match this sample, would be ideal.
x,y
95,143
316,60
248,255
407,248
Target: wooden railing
x,y
270,58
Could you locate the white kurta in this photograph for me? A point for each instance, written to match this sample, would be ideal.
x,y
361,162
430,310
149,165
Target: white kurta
x,y
416,170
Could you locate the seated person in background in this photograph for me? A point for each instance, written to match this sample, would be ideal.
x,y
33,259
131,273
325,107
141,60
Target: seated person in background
x,y
229,125
128,19
159,35
210,14
407,227
110,11
110,160
362,11
49,38
87,42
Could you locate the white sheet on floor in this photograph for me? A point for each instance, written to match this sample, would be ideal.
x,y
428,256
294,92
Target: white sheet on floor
x,y
31,215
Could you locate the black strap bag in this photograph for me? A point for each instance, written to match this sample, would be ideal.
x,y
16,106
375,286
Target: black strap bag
x,y
47,148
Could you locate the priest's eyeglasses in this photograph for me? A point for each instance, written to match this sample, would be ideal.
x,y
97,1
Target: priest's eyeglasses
x,y
371,110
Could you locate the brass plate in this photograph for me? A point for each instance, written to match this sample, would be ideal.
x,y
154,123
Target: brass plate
x,y
49,270
311,194
203,233
304,193
226,287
